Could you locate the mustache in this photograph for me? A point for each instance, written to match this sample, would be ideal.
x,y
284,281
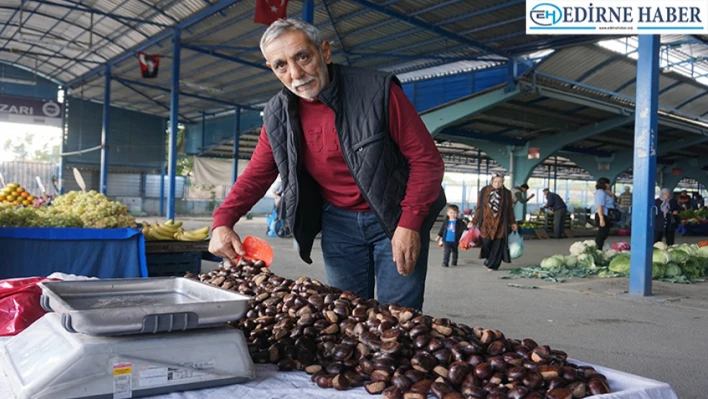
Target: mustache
x,y
300,82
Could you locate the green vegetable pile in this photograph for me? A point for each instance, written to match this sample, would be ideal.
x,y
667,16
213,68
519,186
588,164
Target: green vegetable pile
x,y
694,214
684,264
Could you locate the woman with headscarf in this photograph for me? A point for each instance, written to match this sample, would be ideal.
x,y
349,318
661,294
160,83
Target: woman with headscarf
x,y
664,222
494,216
604,202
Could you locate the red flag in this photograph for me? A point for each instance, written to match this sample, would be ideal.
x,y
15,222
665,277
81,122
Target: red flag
x,y
269,11
149,64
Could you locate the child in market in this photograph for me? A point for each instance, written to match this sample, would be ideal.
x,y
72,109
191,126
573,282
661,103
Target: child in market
x,y
450,234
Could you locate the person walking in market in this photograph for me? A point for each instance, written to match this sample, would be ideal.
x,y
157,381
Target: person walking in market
x,y
450,234
494,216
357,164
556,204
603,202
664,221
625,199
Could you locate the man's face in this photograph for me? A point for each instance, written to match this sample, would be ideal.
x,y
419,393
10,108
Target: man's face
x,y
524,189
452,214
298,63
545,193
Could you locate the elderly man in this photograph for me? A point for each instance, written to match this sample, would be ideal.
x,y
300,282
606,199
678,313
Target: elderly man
x,y
555,203
357,163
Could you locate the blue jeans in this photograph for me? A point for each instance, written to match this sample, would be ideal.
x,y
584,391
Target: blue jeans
x,y
358,258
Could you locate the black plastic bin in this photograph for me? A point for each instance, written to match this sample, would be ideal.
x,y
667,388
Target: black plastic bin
x,y
173,264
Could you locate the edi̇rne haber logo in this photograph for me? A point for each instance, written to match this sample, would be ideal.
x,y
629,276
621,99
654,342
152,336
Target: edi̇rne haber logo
x,y
611,17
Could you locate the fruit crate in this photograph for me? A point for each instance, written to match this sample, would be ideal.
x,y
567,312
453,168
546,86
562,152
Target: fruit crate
x,y
173,264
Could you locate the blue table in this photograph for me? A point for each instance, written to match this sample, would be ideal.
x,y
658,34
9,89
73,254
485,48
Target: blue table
x,y
102,253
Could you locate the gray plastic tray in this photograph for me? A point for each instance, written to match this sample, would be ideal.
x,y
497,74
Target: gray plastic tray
x,y
141,305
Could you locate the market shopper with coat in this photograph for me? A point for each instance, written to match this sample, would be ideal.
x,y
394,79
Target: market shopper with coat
x,y
667,209
494,217
357,164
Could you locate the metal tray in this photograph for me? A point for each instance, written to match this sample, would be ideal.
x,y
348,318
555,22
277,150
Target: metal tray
x,y
141,305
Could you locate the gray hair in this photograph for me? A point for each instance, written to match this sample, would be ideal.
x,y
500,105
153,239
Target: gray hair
x,y
283,26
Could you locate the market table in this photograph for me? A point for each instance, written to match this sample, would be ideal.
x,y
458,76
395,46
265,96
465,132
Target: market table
x,y
271,383
102,253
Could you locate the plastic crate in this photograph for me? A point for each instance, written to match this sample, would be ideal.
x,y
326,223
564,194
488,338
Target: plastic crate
x,y
173,264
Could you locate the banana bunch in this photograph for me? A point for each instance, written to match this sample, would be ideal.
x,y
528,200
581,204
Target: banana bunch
x,y
173,231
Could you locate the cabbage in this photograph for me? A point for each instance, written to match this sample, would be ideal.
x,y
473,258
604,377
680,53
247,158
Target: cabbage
x,y
657,270
672,270
609,254
660,245
586,261
553,261
620,264
678,256
661,256
703,252
693,269
571,261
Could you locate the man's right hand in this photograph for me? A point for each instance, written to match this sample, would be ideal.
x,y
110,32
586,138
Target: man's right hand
x,y
225,243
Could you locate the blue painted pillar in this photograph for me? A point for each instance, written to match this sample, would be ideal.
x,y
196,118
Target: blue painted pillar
x,y
162,180
237,133
464,196
203,131
174,123
60,174
105,135
479,169
308,11
644,169
555,176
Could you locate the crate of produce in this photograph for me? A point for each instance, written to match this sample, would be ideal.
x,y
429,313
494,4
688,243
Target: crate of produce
x,y
173,264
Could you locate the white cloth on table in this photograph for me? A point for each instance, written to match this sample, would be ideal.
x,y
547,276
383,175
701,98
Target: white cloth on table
x,y
273,384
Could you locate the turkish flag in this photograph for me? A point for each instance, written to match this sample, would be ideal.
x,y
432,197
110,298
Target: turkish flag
x,y
149,64
269,11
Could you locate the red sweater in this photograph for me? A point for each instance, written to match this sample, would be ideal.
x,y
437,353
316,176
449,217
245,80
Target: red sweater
x,y
323,160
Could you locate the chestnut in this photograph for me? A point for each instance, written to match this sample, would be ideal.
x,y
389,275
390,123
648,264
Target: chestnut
x,y
441,371
578,389
457,372
548,371
443,356
385,363
415,375
534,395
454,395
475,360
341,382
414,395
532,380
473,392
390,335
434,345
496,348
391,347
391,393
483,371
497,395
421,341
559,393
375,387
335,368
497,379
440,389
312,369
422,386
380,375
555,382
518,392
423,362
324,381
598,386
401,382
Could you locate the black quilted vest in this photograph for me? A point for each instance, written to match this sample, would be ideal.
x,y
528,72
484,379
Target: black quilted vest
x,y
359,99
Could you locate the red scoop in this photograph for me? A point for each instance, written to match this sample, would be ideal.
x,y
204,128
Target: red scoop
x,y
258,249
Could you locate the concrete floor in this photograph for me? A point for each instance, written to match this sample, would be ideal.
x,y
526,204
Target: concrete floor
x,y
663,337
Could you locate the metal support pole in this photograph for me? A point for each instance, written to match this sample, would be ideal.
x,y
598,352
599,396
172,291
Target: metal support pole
x,y
237,133
162,180
105,136
203,130
487,172
555,176
174,122
60,174
464,196
308,11
644,169
479,169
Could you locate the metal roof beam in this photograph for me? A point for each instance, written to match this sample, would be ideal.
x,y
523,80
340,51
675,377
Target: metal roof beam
x,y
447,115
226,57
432,28
51,56
110,15
181,93
692,99
198,17
129,86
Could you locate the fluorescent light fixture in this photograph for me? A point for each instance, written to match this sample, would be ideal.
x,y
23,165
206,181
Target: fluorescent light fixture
x,y
18,81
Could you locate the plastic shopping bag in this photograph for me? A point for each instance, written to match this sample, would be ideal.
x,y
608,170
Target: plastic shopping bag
x,y
516,245
19,304
470,239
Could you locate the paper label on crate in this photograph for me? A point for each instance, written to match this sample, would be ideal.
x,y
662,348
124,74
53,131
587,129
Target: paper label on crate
x,y
152,376
191,371
122,380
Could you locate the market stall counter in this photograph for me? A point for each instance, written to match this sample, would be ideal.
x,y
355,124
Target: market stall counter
x,y
102,253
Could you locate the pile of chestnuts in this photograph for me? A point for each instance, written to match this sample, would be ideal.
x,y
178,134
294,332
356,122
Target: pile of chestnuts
x,y
345,341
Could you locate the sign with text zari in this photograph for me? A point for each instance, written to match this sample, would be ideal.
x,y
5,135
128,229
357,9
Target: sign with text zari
x,y
30,110
616,17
